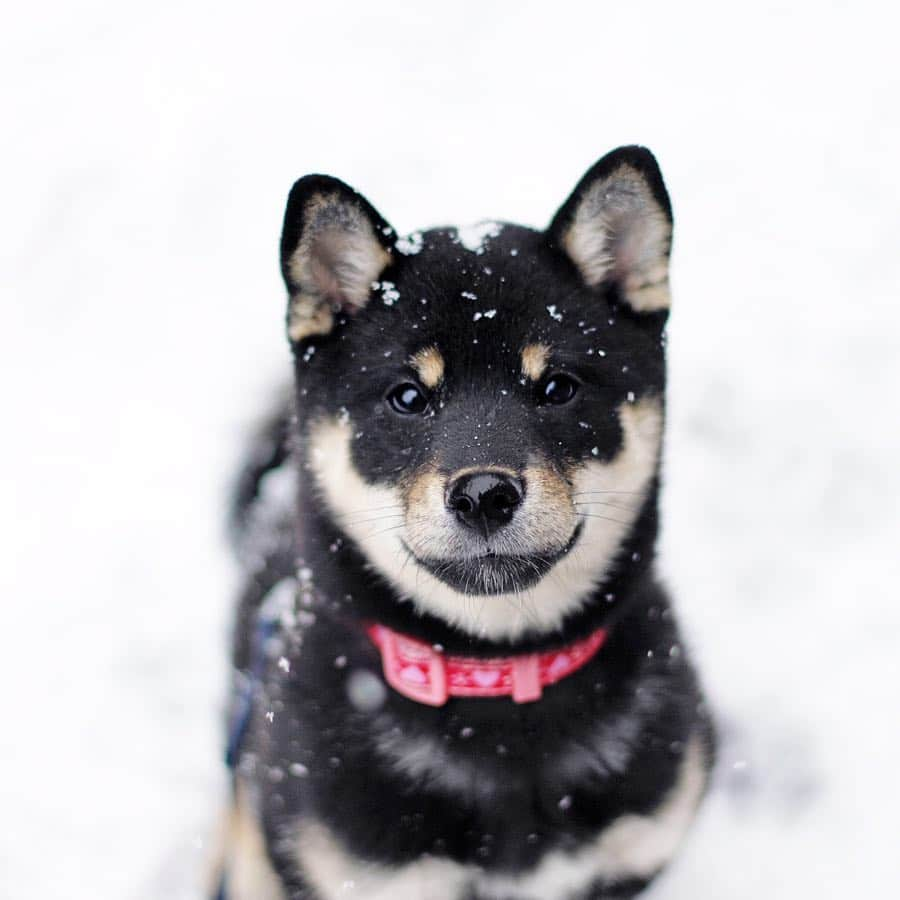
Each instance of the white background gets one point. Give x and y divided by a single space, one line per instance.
146 154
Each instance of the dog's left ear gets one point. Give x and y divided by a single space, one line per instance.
616 227
334 244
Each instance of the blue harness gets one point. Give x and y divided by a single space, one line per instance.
268 624
247 689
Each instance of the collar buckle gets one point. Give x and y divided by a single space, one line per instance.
412 667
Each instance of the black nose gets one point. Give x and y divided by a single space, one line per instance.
485 500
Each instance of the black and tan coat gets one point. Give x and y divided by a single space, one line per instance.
534 360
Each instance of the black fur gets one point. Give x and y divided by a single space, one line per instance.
541 776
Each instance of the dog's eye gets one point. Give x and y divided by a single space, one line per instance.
407 399
557 389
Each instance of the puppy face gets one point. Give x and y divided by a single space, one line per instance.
481 410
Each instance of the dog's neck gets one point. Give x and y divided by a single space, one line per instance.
426 674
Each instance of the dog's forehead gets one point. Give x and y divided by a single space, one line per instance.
489 256
478 294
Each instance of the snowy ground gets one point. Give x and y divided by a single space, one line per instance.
146 156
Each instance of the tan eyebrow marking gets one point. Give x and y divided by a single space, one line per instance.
429 364
534 360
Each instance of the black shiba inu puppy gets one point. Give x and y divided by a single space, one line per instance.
457 675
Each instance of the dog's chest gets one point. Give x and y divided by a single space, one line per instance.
429 805
632 848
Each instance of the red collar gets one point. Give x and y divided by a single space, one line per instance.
425 674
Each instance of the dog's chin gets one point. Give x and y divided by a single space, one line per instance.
496 573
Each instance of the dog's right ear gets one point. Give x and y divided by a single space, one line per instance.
334 244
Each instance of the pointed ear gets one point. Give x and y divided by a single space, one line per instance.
616 227
333 246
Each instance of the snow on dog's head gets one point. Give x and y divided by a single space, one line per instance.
482 408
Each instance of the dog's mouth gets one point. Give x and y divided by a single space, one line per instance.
495 573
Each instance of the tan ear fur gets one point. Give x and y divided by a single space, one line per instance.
333 267
616 227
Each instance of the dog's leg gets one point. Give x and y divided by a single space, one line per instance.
623 890
243 870
213 878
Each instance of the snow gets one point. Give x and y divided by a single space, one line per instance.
475 237
410 245
389 293
147 156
